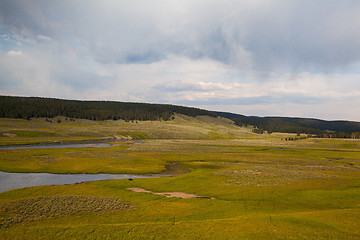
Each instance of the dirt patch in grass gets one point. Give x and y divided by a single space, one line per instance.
169 194
35 209
12 135
121 137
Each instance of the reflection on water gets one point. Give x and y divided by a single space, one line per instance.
9 181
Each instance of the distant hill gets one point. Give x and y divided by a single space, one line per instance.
29 107
293 125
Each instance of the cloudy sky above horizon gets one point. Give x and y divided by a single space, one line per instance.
262 57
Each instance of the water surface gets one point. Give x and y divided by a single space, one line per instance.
39 146
9 181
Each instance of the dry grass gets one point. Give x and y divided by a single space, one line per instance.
181 127
261 175
35 209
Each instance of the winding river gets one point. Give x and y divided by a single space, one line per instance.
40 146
10 181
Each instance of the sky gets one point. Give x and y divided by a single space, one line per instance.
298 58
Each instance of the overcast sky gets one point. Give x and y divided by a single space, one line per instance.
259 57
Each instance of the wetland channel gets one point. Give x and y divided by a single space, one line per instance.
79 144
10 181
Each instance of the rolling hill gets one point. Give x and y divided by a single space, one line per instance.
33 107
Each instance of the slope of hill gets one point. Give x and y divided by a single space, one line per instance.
179 127
293 125
35 107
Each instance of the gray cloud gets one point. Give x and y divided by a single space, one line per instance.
263 100
138 50
272 34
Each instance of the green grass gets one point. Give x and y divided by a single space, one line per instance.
78 160
311 190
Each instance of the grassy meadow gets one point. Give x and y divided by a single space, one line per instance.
262 186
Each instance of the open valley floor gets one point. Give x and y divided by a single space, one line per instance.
222 182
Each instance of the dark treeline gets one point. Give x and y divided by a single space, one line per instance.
30 107
314 127
353 135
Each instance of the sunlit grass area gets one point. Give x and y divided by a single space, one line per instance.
261 186
42 130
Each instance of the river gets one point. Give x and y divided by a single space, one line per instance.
9 181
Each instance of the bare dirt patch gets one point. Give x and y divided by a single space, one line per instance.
169 194
12 135
121 137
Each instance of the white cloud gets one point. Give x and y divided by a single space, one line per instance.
14 53
44 38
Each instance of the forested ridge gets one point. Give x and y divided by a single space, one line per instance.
30 107
321 128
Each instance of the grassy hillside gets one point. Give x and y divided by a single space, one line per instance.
48 130
33 107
